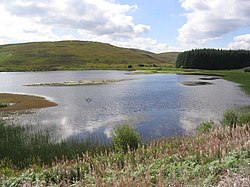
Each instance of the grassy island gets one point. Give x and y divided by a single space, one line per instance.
14 102
78 83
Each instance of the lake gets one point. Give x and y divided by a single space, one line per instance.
156 105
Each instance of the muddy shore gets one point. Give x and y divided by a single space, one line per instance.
23 102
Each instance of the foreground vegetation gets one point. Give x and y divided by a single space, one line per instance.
22 146
77 55
214 156
206 159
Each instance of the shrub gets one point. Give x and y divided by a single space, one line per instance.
230 118
246 69
124 137
236 117
2 105
141 65
206 126
244 118
130 66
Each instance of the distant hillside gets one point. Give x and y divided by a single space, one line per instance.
66 55
169 57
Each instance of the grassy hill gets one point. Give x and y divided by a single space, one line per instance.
169 57
74 55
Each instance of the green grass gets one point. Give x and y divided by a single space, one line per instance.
168 56
76 55
233 117
239 77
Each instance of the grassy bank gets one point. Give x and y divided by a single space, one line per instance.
202 160
239 77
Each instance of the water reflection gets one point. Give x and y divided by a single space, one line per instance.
157 105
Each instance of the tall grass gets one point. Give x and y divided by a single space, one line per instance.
23 148
196 161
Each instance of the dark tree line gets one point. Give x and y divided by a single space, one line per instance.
213 59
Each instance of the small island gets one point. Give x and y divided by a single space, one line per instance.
209 78
14 102
196 83
78 83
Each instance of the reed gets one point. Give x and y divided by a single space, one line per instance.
203 159
23 146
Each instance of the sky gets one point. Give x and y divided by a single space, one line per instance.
152 25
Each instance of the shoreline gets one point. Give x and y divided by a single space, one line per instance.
24 102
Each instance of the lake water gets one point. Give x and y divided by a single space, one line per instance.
156 105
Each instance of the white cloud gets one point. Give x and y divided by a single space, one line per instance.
138 29
14 29
240 42
143 43
209 20
96 16
147 44
98 20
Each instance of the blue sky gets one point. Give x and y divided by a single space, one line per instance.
164 17
154 25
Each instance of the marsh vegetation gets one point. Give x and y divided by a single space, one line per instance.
207 158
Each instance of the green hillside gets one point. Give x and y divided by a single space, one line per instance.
73 55
169 57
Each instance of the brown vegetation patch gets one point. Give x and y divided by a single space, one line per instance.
23 102
209 78
196 83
